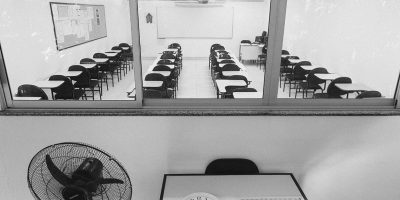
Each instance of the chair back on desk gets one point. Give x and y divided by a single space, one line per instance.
28 90
82 80
161 68
230 67
231 166
334 91
245 42
65 90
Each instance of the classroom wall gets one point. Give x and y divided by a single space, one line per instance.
358 39
28 41
346 158
250 19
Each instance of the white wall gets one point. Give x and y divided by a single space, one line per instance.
346 158
250 19
27 38
358 39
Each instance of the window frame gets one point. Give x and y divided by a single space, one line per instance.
269 104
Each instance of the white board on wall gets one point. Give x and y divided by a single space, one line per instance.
195 22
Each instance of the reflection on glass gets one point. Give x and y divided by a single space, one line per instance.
340 49
179 57
67 51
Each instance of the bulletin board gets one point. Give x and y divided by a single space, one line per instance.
76 24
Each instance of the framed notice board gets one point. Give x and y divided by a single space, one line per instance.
75 24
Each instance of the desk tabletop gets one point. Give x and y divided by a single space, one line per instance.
100 60
152 84
233 187
352 87
125 48
70 73
47 84
327 77
164 73
88 66
111 54
233 73
118 51
247 95
308 67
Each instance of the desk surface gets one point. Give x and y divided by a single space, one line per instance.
352 87
48 84
233 187
152 84
70 73
100 60
88 66
27 98
327 77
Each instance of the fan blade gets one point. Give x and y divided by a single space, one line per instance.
57 173
109 181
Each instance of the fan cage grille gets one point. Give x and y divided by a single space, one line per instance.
67 157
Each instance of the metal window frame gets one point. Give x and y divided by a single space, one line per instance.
269 104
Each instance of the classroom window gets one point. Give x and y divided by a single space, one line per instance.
340 49
67 51
208 51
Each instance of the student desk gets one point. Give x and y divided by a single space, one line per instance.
277 186
100 60
88 66
352 87
47 84
233 73
247 95
222 83
70 73
111 55
249 51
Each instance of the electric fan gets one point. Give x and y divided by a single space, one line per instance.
76 171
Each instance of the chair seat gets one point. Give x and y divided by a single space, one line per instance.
91 84
295 77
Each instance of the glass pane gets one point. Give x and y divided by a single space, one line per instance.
45 46
341 48
176 42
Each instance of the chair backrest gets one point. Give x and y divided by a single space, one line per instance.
217 47
66 89
224 56
175 45
152 94
335 91
161 68
124 45
165 62
83 78
168 56
231 166
100 55
31 91
237 77
227 61
212 48
264 33
264 49
230 67
369 94
117 48
245 42
154 77
285 52
87 61
245 90
311 78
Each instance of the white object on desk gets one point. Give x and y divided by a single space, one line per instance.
232 187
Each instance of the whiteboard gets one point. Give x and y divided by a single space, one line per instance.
76 24
195 22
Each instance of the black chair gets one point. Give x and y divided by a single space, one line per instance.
298 75
232 166
66 90
230 67
224 56
119 60
369 94
84 81
166 62
285 68
285 52
127 55
312 82
161 68
333 92
212 53
95 73
168 56
108 68
166 91
245 42
27 90
262 59
238 77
